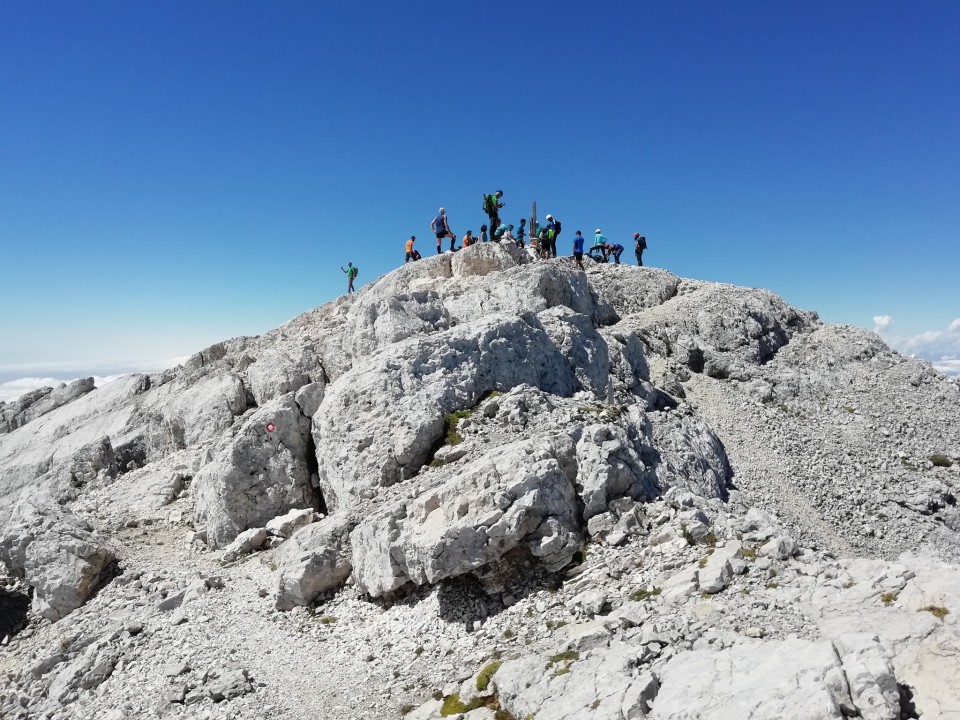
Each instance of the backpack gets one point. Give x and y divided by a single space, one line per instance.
354 273
556 226
489 204
641 243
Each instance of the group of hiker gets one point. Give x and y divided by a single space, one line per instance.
542 239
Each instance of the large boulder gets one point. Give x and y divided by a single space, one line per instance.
281 370
56 553
691 455
514 496
313 561
259 473
381 422
610 464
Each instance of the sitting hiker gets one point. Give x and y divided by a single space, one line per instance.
410 251
469 239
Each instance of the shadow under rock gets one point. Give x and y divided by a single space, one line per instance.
14 607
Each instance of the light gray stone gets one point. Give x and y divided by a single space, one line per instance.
257 474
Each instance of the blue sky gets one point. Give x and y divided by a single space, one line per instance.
176 173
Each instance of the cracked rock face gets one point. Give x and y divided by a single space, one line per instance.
518 495
258 474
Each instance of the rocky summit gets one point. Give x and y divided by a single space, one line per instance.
490 487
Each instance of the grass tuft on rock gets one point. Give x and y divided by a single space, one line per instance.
485 675
453 706
939 460
889 598
938 611
568 656
641 595
451 421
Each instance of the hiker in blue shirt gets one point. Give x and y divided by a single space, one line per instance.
616 250
521 231
578 250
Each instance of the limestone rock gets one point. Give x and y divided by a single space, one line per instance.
57 554
286 525
793 679
244 544
601 684
279 371
40 402
379 423
515 496
313 561
231 684
258 474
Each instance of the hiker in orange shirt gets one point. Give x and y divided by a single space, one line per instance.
410 251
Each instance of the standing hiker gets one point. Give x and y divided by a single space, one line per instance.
351 272
441 228
410 251
521 231
578 250
640 245
554 225
491 206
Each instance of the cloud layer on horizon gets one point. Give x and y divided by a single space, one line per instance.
939 347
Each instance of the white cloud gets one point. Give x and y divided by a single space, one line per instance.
940 347
882 322
126 365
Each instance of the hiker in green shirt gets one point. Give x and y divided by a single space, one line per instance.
351 272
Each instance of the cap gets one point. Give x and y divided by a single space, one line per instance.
549 217
597 231
636 234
